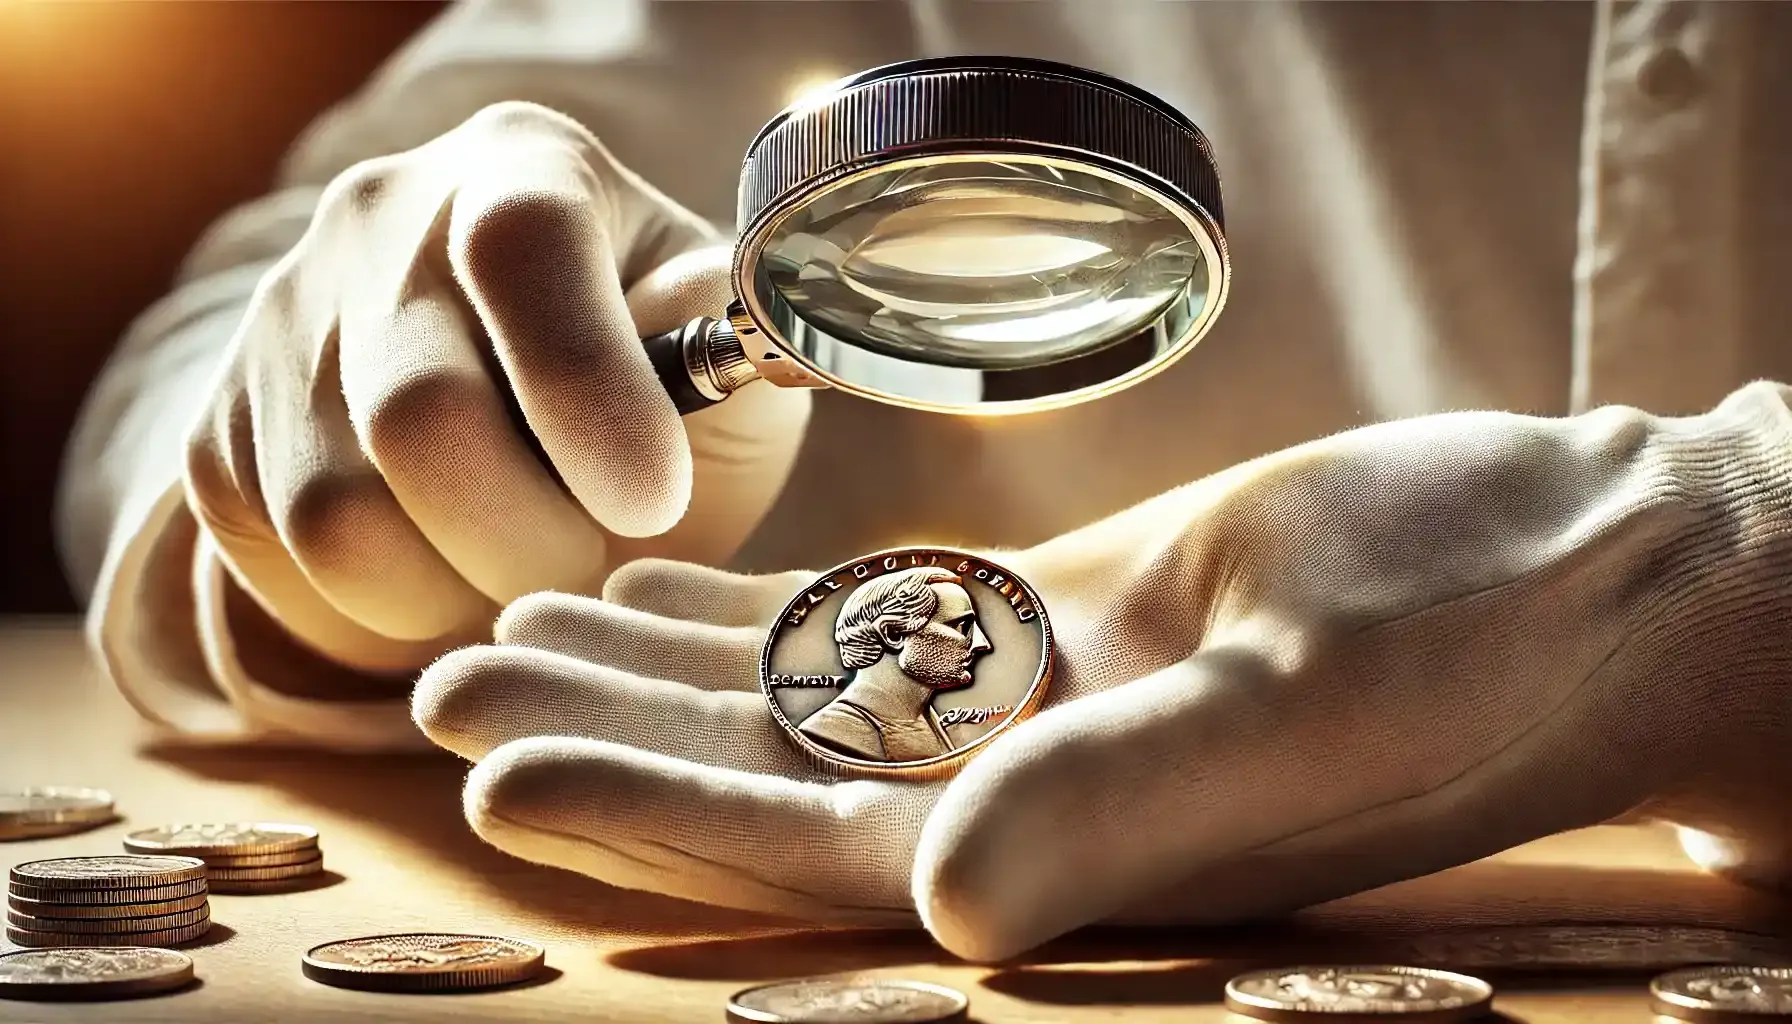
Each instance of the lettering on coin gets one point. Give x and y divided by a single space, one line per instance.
906 658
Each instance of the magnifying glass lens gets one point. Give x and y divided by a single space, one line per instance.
990 263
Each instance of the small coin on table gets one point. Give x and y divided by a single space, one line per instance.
1731 993
1413 994
226 839
424 962
38 812
92 973
850 1000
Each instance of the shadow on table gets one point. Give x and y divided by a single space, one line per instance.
1579 927
1476 917
416 797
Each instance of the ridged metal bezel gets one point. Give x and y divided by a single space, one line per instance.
900 110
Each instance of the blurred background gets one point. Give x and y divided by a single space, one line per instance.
124 129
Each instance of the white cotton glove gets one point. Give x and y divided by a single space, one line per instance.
1360 660
361 460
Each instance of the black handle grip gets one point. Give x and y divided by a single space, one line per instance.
666 353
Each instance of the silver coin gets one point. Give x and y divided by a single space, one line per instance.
853 1000
130 871
151 908
905 663
36 812
88 972
226 839
1723 993
1415 994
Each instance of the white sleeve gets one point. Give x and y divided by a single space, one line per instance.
161 616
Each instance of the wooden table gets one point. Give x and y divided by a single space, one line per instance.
1589 914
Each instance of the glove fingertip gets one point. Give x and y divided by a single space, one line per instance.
961 890
649 494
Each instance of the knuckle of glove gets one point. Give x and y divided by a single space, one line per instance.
506 228
521 117
333 520
357 193
406 414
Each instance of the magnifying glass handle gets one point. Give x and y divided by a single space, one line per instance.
700 363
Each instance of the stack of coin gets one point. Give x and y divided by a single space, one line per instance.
240 857
37 812
107 901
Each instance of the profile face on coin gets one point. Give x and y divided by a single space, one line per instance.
904 662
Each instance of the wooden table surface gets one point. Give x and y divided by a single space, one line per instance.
1569 929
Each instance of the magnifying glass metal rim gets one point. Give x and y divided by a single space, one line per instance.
754 293
931 111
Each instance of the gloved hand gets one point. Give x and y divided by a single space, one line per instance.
361 459
1360 660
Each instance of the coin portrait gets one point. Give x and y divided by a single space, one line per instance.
906 660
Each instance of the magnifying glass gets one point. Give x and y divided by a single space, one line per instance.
974 235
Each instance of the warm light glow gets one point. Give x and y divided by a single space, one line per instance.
810 86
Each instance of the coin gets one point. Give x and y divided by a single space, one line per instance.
89 972
116 872
230 839
38 811
162 937
107 925
108 897
266 874
51 908
1413 994
906 662
854 1000
423 962
261 860
1723 993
